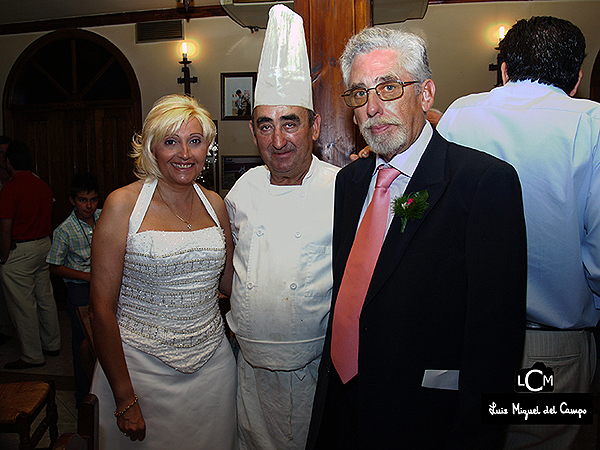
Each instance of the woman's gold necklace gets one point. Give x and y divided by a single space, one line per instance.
187 222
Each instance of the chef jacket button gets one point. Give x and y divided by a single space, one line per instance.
293 286
249 285
297 234
302 193
259 232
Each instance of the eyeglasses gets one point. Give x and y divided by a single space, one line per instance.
386 91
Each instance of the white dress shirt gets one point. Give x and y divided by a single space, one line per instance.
553 141
406 163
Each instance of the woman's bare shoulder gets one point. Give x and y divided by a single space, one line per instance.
124 198
215 199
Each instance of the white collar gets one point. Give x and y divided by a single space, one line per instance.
407 161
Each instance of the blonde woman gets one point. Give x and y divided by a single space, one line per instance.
166 375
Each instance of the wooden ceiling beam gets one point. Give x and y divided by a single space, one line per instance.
112 19
143 16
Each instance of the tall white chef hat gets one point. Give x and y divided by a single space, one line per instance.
283 72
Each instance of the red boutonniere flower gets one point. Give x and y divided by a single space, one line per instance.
411 206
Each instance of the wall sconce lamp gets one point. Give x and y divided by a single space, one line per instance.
186 4
499 59
186 80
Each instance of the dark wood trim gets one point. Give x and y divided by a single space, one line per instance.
439 2
147 16
113 19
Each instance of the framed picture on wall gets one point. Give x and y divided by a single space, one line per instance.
234 167
237 95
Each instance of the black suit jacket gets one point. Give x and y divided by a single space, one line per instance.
448 293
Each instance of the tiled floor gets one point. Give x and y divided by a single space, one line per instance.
59 369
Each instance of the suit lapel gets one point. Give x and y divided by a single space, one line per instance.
430 175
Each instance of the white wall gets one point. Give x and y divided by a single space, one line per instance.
458 36
224 46
460 40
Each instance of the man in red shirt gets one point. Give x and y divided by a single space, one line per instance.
25 226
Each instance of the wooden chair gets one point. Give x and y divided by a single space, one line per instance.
87 434
20 405
87 351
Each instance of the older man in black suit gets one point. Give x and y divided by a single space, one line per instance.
429 289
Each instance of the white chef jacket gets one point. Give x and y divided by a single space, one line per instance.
281 293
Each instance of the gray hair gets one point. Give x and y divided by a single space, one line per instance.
412 53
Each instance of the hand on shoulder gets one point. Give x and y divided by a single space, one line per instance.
364 153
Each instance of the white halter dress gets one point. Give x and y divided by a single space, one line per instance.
182 369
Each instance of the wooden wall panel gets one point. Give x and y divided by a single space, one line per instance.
328 25
67 142
40 131
115 128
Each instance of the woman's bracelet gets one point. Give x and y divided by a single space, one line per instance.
127 408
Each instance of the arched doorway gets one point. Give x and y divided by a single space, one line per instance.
73 97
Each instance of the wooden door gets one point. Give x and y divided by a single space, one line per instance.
74 99
83 140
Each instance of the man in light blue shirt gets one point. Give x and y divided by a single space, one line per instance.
553 141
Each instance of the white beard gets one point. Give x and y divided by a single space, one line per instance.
385 144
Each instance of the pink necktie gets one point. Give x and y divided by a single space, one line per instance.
357 277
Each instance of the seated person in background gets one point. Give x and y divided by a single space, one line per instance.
70 257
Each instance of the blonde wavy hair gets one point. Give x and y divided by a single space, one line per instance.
167 116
